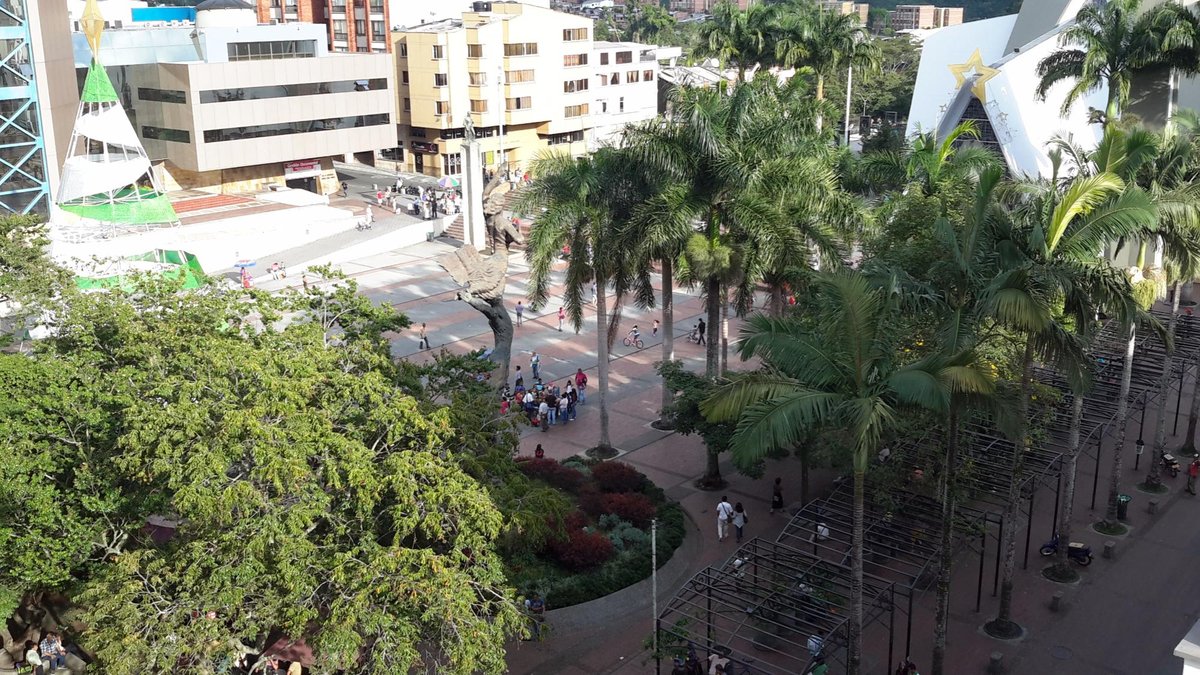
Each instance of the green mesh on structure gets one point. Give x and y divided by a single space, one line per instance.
187 267
97 88
147 211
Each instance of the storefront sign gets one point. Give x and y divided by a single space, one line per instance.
425 148
304 168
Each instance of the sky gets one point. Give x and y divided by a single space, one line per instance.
412 12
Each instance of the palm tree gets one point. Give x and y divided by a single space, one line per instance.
1110 42
929 162
742 39
835 370
587 204
825 41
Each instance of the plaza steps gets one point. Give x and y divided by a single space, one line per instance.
456 229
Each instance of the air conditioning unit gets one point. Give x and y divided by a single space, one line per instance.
481 6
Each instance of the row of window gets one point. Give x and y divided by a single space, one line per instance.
161 95
575 110
630 77
164 134
572 60
378 28
622 57
287 90
572 86
523 76
289 128
560 139
275 49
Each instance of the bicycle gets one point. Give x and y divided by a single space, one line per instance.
630 341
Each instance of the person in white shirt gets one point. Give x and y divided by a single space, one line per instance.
724 513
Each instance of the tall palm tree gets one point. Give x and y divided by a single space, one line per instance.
930 163
835 370
739 38
825 41
587 204
1108 43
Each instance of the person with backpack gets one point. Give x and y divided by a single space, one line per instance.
581 381
724 514
739 520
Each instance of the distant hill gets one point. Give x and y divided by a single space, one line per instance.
974 9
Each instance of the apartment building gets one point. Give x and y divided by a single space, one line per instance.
528 77
358 26
924 17
860 9
231 105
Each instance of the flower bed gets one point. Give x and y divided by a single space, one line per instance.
605 541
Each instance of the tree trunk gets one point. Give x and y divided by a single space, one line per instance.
602 361
820 97
804 481
724 331
946 556
1189 441
1071 461
668 328
1114 478
775 304
854 663
712 355
1153 478
502 333
712 471
1008 543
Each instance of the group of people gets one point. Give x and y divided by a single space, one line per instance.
545 405
47 654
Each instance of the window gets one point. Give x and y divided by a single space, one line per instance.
572 86
559 139
452 163
288 90
404 77
615 79
519 103
441 107
621 104
408 105
360 27
647 75
575 110
574 34
339 29
404 50
377 30
571 60
624 57
280 49
439 52
440 79
162 134
603 106
475 51
520 49
604 58
603 80
377 6
289 128
478 79
479 105
161 95
633 76
515 76
362 49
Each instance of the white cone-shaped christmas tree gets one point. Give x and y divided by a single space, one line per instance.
107 176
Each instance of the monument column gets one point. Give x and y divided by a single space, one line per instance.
474 226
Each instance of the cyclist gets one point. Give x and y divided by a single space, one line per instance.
634 334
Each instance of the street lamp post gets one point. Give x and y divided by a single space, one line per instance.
849 85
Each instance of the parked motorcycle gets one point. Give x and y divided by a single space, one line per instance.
1169 464
1078 552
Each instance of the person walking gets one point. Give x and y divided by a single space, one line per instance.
654 329
535 363
520 313
544 416
519 383
593 292
562 316
700 329
581 385
424 342
551 408
572 399
724 513
1193 471
371 214
777 495
379 197
564 404
739 520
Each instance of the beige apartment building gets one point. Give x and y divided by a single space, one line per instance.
860 9
537 61
924 17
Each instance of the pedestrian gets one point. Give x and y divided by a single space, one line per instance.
535 363
544 415
520 313
654 329
581 381
777 495
593 292
345 189
371 214
275 271
819 667
724 513
538 452
564 403
520 381
739 520
700 330
53 651
304 280
424 342
294 668
245 278
537 613
33 659
717 663
572 397
528 403
379 197
562 316
1193 471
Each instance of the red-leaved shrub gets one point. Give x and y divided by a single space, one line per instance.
633 508
591 500
581 551
550 471
618 477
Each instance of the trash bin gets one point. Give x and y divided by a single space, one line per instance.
1123 506
429 236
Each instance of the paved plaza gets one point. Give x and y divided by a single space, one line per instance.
1125 616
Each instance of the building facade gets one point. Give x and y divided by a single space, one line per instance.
38 100
860 9
356 26
924 17
235 106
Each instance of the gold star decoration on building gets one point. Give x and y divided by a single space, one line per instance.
92 23
982 72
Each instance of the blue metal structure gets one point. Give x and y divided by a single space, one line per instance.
24 187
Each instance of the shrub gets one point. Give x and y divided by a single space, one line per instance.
582 550
632 507
618 477
551 472
626 537
591 501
